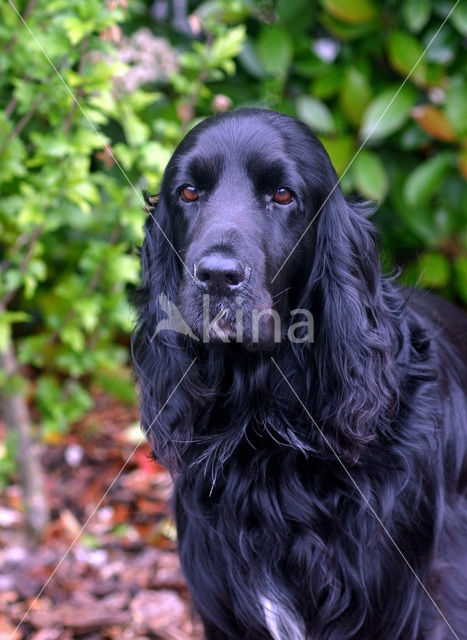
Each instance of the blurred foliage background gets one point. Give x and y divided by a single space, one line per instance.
71 173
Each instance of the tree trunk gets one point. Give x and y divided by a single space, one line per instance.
15 413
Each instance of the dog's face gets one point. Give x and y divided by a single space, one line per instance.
241 190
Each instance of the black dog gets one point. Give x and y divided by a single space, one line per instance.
313 413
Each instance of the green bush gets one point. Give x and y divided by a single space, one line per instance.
71 176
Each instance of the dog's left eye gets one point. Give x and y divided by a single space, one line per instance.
189 193
283 196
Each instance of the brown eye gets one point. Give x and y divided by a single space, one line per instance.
189 193
283 196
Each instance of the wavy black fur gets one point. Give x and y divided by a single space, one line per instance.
275 540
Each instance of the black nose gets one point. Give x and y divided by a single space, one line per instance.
220 274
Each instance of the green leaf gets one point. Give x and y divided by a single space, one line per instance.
12 279
434 270
351 11
15 316
406 55
141 99
416 14
462 163
425 180
83 194
5 336
441 49
12 163
460 268
250 61
459 17
125 155
328 84
275 50
48 391
7 318
370 176
340 151
104 101
295 14
456 105
119 383
77 401
73 337
86 140
355 95
31 349
228 45
90 541
347 32
315 114
388 112
123 268
61 403
310 66
137 132
89 310
155 156
76 29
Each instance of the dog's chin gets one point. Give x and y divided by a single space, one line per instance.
229 331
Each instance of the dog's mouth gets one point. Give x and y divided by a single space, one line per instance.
235 320
223 320
224 327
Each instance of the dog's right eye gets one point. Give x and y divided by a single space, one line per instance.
189 193
283 196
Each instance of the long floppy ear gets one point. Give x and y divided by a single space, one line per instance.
167 382
355 334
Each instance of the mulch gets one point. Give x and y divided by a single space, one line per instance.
107 568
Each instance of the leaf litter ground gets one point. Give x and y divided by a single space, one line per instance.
121 580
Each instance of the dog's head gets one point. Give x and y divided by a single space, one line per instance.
252 241
241 190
